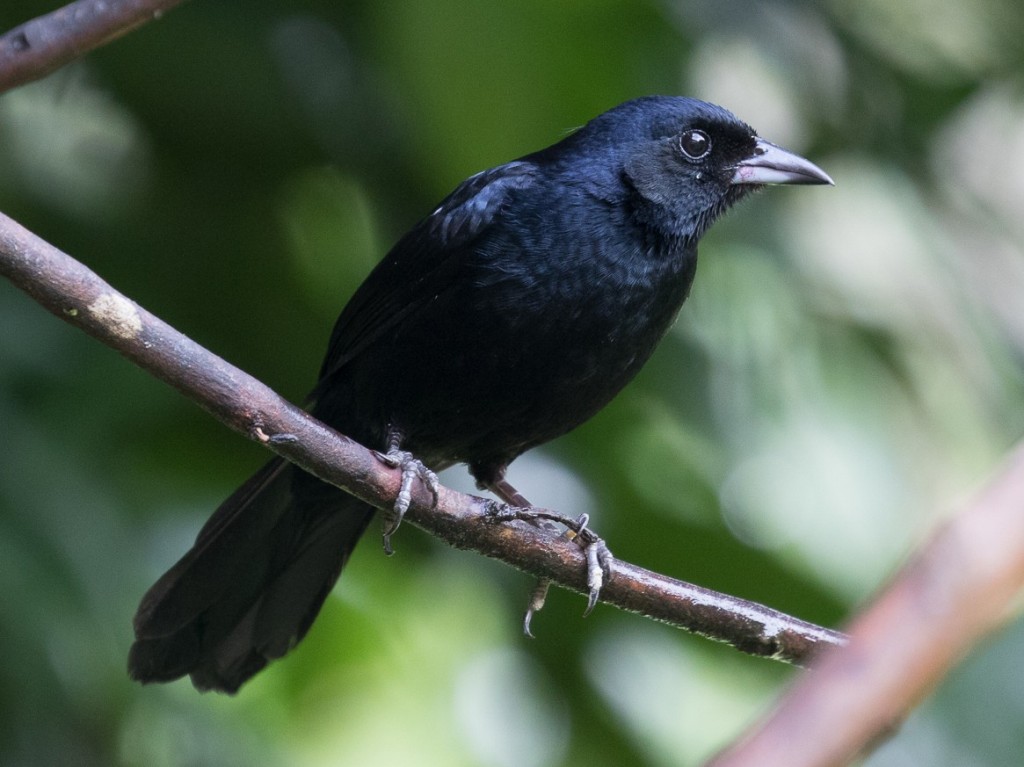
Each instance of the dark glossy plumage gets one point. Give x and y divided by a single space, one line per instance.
507 317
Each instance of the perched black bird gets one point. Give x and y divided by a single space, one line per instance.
507 317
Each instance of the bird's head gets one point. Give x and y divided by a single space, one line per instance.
686 161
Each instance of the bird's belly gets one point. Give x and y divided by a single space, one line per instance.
471 383
500 399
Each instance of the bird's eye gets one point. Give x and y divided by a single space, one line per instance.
695 144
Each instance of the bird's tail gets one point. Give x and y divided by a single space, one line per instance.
251 585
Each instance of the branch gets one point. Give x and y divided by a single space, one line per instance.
961 586
46 43
78 296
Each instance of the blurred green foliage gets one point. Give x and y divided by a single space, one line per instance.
848 367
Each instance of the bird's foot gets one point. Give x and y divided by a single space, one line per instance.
599 557
412 468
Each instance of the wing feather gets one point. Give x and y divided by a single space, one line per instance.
420 266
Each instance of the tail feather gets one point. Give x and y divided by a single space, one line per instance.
251 586
226 543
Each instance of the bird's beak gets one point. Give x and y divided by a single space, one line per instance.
770 164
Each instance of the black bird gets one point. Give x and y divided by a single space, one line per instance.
510 315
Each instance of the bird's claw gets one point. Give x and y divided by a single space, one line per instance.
599 569
599 557
412 468
538 597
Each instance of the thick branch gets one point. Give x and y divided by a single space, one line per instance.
961 586
48 42
80 297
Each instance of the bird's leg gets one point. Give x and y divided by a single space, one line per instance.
412 468
599 558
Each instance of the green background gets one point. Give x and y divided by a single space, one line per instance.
847 370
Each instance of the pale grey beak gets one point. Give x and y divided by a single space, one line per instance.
774 165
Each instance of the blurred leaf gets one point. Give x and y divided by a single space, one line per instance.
329 223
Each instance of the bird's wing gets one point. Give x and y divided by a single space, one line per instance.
420 266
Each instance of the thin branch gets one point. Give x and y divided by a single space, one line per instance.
77 295
964 584
44 44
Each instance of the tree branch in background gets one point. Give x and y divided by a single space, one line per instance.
46 43
80 297
957 589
